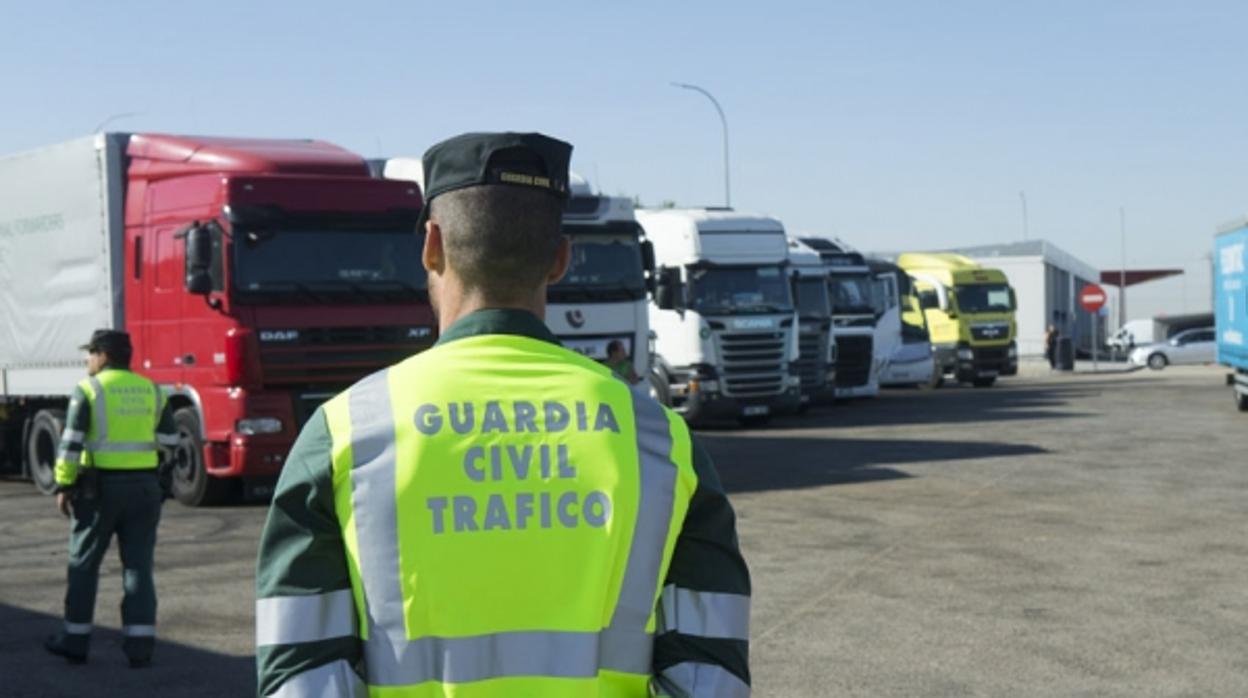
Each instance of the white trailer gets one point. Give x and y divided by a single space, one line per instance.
723 313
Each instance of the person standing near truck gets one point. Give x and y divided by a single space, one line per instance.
108 483
498 515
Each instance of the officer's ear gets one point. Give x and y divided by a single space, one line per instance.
563 257
433 256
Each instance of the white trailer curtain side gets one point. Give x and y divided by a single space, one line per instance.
61 244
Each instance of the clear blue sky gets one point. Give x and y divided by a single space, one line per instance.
891 125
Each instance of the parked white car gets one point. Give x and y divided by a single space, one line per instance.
1196 346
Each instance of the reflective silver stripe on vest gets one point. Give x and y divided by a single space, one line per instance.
167 439
696 680
101 443
73 435
376 521
334 680
393 660
284 620
704 613
71 455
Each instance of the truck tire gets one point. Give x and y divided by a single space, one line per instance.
42 441
656 382
1158 361
192 485
984 382
1241 401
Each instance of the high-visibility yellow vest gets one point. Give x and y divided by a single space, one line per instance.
125 411
509 511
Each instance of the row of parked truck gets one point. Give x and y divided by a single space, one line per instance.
260 277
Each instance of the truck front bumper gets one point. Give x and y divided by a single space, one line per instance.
978 363
703 406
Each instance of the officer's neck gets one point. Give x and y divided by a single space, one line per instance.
452 304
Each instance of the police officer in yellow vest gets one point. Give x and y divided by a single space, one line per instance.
107 483
499 516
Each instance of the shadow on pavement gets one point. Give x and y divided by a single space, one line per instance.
760 464
27 671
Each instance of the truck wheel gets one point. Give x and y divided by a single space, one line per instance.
1241 401
983 382
657 385
192 485
42 442
1157 362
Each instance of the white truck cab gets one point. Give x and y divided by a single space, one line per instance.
853 288
603 297
723 313
816 363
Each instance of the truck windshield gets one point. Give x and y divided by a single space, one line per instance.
852 294
739 290
605 265
304 265
984 298
811 295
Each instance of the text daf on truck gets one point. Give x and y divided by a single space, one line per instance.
257 278
723 313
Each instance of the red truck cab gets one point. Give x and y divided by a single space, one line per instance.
262 278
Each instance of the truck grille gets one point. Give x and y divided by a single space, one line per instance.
753 363
853 361
811 366
991 358
337 355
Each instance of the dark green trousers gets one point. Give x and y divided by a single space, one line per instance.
128 505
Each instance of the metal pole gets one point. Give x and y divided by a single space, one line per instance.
1122 279
1022 195
723 120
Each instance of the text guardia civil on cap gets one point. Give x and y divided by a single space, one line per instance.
518 159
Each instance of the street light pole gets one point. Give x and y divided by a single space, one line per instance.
1122 279
1022 195
723 120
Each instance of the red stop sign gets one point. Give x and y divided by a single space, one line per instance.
1092 298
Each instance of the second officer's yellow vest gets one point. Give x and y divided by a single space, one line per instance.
509 511
125 411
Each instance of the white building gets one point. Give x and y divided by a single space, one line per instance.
1047 281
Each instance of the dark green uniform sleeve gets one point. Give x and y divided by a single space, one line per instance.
305 613
702 646
73 439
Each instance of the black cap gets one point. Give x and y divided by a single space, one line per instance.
474 159
108 341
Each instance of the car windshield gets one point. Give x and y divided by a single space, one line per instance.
606 264
810 293
984 298
852 294
739 290
314 264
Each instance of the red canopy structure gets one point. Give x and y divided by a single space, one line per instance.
1132 277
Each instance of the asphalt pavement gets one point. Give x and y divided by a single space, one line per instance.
1056 535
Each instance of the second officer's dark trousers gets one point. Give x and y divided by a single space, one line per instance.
128 505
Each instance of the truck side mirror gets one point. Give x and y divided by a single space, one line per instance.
647 256
199 245
1013 299
668 288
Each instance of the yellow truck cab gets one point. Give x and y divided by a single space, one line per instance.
970 315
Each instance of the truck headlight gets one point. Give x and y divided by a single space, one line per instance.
1013 352
258 425
966 354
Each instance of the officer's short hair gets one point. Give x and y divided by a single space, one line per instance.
501 240
119 357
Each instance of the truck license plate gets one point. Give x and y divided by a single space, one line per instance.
755 410
987 374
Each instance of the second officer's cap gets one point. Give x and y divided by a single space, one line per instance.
516 159
108 341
